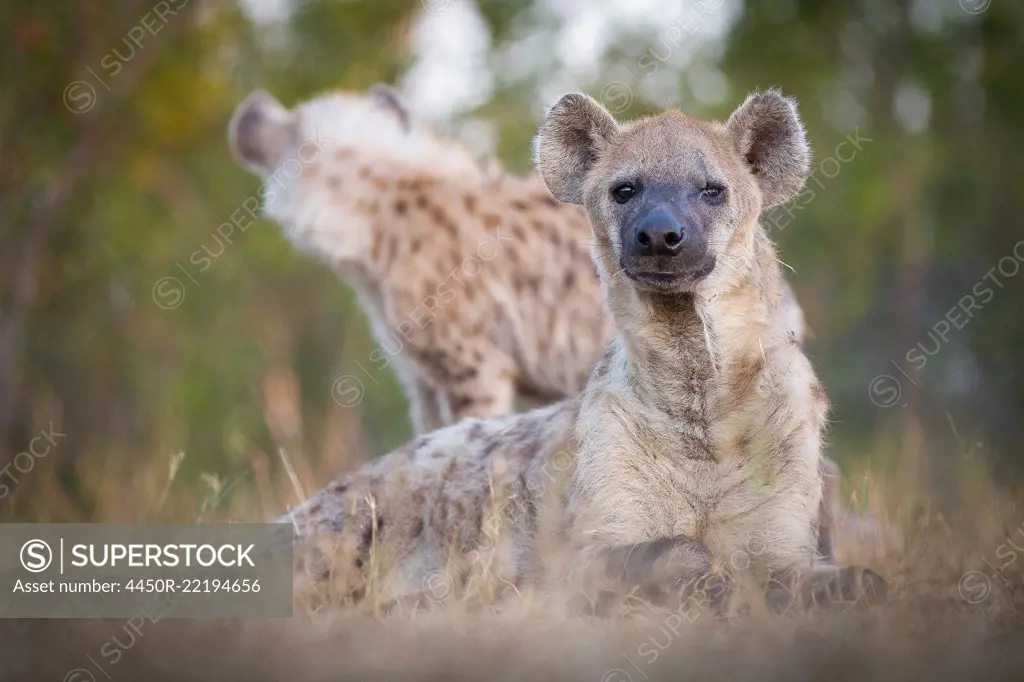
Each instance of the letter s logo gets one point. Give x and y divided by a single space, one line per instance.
36 556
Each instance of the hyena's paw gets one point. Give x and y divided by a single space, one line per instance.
708 593
828 587
669 562
663 572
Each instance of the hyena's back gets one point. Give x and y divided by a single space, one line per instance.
440 497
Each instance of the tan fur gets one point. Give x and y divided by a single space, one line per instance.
700 426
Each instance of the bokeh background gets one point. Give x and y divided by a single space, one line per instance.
166 391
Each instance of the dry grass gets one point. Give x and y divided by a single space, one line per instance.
523 642
936 623
956 608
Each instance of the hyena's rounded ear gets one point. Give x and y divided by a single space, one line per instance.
387 97
261 131
569 142
767 131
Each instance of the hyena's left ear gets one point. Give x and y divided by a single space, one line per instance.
768 133
388 97
569 142
261 131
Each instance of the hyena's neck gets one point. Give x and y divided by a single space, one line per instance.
378 203
665 351
677 349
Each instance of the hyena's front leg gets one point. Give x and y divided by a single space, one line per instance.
663 571
802 572
783 543
826 586
672 562
821 582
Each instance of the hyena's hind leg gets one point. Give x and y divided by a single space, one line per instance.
478 381
428 410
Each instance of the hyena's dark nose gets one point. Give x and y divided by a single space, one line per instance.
660 234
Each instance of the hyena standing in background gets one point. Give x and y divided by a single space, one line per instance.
478 285
699 430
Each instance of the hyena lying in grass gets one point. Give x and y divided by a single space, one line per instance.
402 214
698 433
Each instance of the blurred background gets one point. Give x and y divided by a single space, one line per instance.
136 385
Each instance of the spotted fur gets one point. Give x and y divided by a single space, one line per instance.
477 283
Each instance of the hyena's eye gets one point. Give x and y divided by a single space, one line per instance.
712 192
623 193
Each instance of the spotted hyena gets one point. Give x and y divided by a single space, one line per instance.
698 434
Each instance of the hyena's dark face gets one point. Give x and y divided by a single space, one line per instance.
673 199
659 214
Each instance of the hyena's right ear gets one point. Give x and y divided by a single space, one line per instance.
767 131
387 97
261 131
569 143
